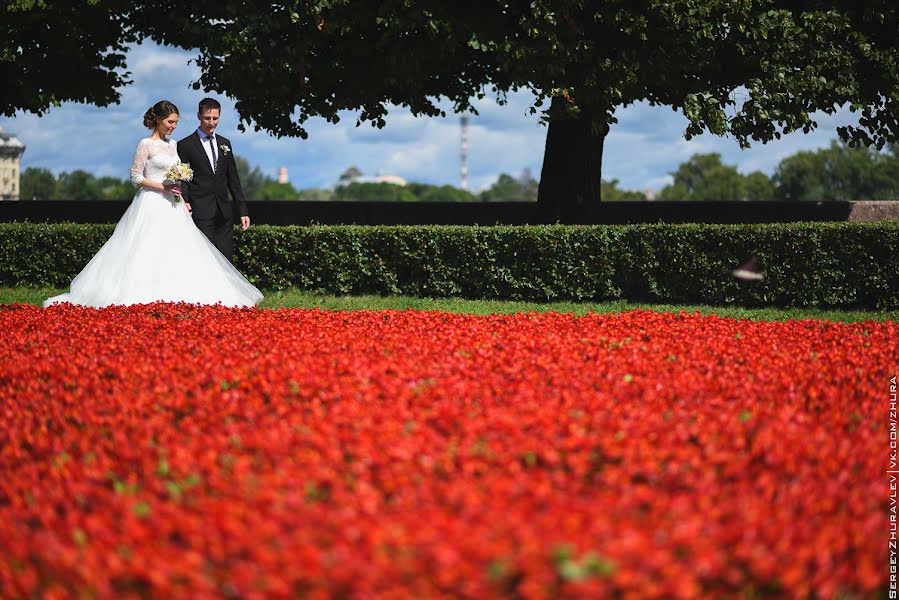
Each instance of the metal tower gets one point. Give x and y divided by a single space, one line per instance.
463 153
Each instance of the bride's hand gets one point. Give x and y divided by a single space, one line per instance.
172 188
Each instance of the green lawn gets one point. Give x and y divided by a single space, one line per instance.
298 299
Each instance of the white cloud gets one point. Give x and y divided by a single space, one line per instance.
147 61
641 149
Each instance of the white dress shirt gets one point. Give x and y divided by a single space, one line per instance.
207 148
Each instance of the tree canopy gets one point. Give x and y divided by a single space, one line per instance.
611 191
839 173
705 177
40 184
510 189
54 52
750 69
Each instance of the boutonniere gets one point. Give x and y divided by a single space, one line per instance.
224 148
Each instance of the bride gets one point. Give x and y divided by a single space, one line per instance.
156 253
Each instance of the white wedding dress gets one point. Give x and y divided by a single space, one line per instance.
156 253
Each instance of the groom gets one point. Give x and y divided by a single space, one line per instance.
215 174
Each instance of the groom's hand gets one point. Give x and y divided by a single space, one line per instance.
189 209
244 223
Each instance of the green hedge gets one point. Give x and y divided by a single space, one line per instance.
807 264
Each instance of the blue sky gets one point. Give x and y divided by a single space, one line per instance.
641 151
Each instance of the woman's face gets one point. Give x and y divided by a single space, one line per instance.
166 125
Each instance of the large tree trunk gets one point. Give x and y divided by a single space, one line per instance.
572 167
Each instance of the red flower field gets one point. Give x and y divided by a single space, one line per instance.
183 452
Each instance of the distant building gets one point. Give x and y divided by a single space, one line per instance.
354 175
394 179
282 175
381 178
11 150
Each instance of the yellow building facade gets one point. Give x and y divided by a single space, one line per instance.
11 150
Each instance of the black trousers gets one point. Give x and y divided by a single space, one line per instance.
220 232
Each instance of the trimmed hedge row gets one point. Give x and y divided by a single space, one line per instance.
806 264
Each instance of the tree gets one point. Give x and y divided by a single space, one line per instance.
272 190
252 180
505 189
315 194
839 173
53 52
110 188
753 69
257 185
40 184
350 175
77 185
529 186
36 184
439 193
379 192
705 177
759 186
610 191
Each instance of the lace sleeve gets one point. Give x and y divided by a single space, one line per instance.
141 155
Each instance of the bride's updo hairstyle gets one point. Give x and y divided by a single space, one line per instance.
160 110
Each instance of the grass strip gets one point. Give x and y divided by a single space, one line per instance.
300 299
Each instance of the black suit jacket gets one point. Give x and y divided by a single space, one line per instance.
208 193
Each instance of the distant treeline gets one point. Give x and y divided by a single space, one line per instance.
834 173
838 172
41 184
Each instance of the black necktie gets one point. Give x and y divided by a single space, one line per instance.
215 158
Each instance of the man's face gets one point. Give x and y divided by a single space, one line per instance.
209 120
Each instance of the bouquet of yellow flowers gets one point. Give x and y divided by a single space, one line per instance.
179 172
